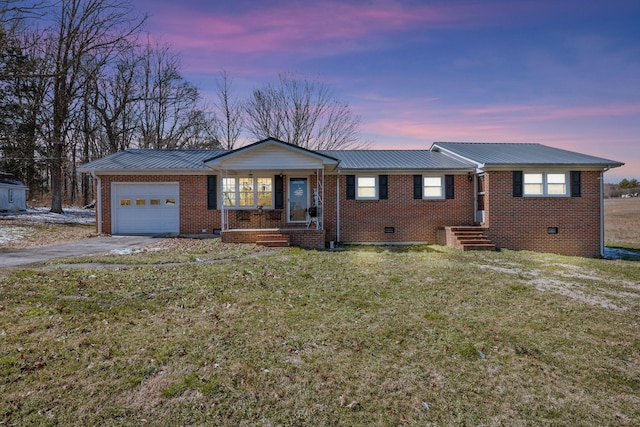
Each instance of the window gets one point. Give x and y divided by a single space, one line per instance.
170 201
367 187
545 184
141 202
247 192
557 184
533 184
125 202
432 187
154 202
229 191
265 191
10 196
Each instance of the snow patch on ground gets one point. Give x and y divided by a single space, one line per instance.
129 251
12 233
73 215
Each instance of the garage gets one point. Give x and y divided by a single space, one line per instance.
145 208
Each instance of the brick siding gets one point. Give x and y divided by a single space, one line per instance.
194 215
521 223
514 223
412 220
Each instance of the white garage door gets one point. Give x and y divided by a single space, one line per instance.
146 208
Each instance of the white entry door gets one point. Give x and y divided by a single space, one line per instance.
298 200
145 208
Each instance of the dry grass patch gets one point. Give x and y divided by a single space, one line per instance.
172 251
22 235
366 336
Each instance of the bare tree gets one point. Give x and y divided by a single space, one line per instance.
114 97
229 120
86 35
303 113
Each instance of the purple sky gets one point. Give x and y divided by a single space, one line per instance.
559 72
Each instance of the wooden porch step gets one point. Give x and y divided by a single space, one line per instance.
471 239
273 240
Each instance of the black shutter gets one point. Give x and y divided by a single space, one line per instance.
279 192
351 187
417 186
212 192
449 192
517 184
383 191
576 184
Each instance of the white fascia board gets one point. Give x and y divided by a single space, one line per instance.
326 160
404 171
454 155
545 167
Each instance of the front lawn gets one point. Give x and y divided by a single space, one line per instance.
364 336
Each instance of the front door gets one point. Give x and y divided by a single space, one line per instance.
298 200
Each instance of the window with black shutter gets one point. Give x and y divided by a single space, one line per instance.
576 184
383 191
517 183
417 186
278 181
449 190
351 187
212 192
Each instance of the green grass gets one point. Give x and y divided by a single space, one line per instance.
364 336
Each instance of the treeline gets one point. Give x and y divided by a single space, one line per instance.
80 79
624 188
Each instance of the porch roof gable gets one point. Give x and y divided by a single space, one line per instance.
271 153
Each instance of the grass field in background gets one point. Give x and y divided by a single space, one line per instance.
622 223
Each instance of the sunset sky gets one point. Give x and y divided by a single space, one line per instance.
559 72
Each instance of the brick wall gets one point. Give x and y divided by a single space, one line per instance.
194 215
412 220
521 223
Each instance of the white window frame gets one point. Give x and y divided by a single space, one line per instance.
424 193
376 187
236 181
545 184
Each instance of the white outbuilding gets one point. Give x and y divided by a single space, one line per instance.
13 193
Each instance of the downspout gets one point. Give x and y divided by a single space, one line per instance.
338 207
98 201
222 209
602 211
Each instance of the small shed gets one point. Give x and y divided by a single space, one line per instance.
13 193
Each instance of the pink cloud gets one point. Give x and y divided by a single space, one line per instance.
313 28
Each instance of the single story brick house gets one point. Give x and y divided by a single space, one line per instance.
469 195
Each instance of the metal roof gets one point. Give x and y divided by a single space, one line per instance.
441 156
395 159
140 159
520 154
10 179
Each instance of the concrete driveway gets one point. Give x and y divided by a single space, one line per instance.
91 246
